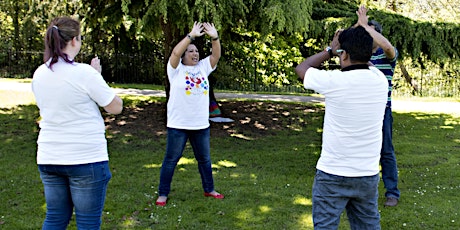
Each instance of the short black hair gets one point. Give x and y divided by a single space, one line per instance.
357 42
376 25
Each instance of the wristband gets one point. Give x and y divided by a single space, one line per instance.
329 50
190 37
215 39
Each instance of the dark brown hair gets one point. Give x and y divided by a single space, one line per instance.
60 31
357 42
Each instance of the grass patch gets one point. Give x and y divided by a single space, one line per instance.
266 180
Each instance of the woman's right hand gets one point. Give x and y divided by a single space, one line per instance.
197 30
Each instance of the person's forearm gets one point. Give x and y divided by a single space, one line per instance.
312 61
216 48
115 107
381 41
216 51
180 48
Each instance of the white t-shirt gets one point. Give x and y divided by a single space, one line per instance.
188 104
355 106
72 130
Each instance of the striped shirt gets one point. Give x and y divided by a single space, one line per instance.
381 62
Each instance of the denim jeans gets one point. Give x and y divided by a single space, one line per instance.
358 195
82 187
388 157
200 141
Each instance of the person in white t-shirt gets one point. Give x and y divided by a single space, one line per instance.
188 109
347 173
72 152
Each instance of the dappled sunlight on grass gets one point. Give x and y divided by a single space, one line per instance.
192 161
241 136
248 216
227 164
129 223
152 166
302 201
186 161
235 175
306 220
265 209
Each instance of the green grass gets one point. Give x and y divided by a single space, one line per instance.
267 181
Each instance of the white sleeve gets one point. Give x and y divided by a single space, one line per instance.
317 80
98 89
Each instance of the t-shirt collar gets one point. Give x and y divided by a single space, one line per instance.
354 67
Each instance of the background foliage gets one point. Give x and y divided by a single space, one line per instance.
262 40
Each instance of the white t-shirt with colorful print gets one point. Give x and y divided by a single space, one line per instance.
188 104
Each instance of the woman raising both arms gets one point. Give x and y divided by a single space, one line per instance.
188 109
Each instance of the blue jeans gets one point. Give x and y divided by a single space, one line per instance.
358 195
388 157
82 187
200 141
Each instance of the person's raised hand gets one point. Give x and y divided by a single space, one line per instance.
362 16
96 64
335 42
197 30
210 30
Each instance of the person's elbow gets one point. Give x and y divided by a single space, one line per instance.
115 106
300 72
389 51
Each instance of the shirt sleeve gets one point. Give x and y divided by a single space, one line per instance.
206 65
98 89
170 71
317 80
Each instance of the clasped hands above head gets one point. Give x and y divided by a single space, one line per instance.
201 28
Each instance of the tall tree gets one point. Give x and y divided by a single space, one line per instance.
172 19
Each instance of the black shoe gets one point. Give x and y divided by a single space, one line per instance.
391 202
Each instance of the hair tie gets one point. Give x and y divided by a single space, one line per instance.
55 27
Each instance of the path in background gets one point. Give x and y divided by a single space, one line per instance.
398 105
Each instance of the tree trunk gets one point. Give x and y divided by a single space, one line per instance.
410 80
169 32
16 41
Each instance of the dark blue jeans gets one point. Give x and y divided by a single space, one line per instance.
82 187
388 157
200 141
358 195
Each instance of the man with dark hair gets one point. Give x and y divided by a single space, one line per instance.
347 173
384 57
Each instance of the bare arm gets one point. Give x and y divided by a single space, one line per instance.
114 107
381 41
312 61
180 48
317 59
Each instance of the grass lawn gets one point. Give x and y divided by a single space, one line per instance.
266 180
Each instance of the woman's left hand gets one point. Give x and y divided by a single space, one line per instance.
210 30
96 64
